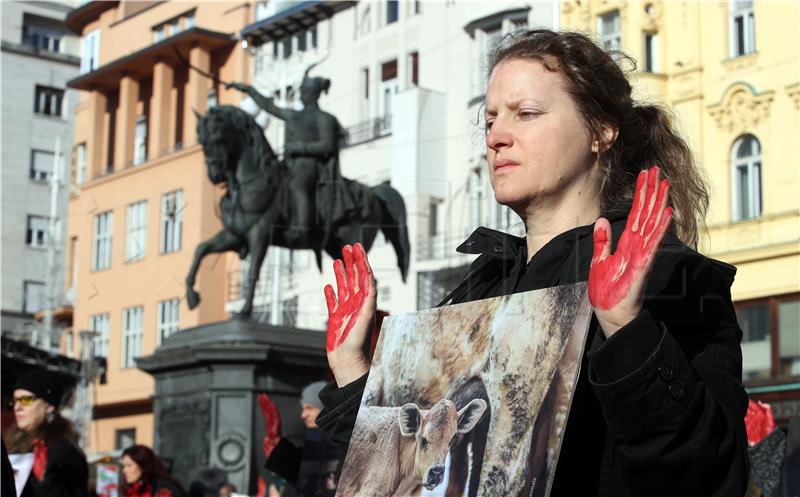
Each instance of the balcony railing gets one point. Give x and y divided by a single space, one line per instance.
371 129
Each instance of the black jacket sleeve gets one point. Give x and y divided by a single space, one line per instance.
669 384
338 417
285 461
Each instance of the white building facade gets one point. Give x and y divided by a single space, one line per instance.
39 55
407 82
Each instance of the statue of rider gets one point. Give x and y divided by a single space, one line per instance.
311 152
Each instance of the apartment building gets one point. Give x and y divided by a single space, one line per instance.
141 201
39 55
729 71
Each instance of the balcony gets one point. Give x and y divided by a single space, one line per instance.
369 130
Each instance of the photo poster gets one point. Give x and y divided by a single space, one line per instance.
469 399
107 480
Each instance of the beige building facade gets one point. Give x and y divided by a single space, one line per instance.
730 72
141 201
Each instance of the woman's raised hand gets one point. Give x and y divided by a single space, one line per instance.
617 281
351 313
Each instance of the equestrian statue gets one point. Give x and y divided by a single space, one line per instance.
300 201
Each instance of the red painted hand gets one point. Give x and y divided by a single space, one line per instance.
351 311
617 282
272 421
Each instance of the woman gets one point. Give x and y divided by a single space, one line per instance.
659 407
145 475
59 466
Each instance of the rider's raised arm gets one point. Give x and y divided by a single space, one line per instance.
268 104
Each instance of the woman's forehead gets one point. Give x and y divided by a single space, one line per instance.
21 392
515 80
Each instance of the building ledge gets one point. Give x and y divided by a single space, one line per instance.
78 18
47 55
294 19
174 50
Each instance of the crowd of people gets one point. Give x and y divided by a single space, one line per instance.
42 458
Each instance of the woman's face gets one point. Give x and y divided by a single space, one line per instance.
538 145
30 417
130 470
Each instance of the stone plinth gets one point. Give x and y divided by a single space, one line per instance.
206 413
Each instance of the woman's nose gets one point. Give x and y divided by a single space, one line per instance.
498 136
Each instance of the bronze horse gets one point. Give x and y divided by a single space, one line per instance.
256 210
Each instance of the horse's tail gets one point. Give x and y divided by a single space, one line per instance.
395 228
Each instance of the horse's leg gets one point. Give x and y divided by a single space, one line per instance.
257 240
221 242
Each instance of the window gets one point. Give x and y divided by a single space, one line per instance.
33 298
789 338
140 141
41 37
101 242
99 324
136 239
41 165
48 101
124 438
650 52
171 221
90 51
746 163
365 106
388 86
414 7
769 330
391 8
158 33
36 231
132 324
609 30
742 28
413 68
189 20
80 164
286 46
168 318
754 321
302 40
175 27
312 34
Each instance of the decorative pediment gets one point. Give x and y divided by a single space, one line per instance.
741 108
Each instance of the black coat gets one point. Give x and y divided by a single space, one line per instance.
659 407
66 473
312 470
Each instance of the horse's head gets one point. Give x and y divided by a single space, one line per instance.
221 140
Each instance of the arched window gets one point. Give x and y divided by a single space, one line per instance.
746 165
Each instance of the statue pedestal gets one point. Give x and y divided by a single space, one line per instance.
205 409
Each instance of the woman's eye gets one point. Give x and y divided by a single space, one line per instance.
527 114
488 126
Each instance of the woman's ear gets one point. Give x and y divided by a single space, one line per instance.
50 409
608 135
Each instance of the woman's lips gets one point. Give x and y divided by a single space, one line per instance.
504 164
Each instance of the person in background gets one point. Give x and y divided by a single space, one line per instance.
145 475
59 465
312 469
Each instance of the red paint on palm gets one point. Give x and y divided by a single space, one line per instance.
272 423
353 281
611 277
